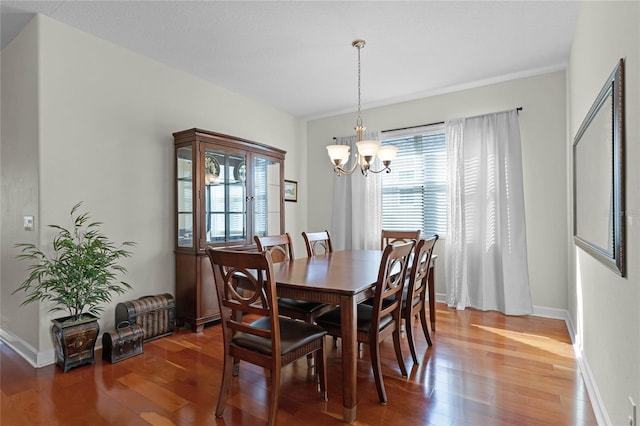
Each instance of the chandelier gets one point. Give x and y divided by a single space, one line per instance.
367 150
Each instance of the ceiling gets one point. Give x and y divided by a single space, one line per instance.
297 56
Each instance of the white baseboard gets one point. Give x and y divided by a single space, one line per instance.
554 313
599 409
26 351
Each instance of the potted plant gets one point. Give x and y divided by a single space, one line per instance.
78 277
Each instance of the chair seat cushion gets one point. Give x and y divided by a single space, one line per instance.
365 315
301 306
293 334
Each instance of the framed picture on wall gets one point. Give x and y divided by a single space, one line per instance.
291 190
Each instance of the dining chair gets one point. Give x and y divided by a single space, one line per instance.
317 243
377 321
281 249
393 237
414 300
270 341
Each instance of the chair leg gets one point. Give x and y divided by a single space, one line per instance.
274 395
321 362
227 372
412 345
374 349
310 362
399 357
236 367
425 326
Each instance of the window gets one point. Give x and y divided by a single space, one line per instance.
414 194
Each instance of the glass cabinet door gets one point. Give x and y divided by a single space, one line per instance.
225 197
184 195
266 196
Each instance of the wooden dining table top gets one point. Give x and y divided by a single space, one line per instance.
342 272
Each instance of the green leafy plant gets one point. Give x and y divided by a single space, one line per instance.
81 273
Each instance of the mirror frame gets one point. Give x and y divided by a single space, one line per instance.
614 255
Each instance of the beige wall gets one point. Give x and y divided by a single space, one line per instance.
19 165
106 118
604 307
542 123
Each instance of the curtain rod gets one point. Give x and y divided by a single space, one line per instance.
412 127
430 124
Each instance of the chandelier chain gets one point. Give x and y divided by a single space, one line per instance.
359 121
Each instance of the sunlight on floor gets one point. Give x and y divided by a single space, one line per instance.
541 342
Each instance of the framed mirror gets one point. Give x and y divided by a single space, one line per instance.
598 176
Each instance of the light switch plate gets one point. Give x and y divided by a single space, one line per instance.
28 223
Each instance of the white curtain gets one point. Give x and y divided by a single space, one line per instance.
486 249
357 204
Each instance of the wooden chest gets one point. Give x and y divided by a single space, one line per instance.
155 314
125 342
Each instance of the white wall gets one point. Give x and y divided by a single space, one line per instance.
542 124
19 176
106 118
604 307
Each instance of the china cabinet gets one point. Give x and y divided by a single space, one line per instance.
227 190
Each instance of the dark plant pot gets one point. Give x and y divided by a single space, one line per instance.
75 341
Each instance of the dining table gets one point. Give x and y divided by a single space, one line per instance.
343 278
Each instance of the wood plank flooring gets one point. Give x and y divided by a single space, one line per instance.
484 369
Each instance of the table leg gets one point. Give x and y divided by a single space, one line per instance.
349 357
432 297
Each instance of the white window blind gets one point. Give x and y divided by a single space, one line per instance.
414 194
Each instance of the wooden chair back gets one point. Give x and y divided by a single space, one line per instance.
387 299
317 243
415 300
393 237
279 246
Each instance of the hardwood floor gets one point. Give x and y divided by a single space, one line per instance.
484 369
